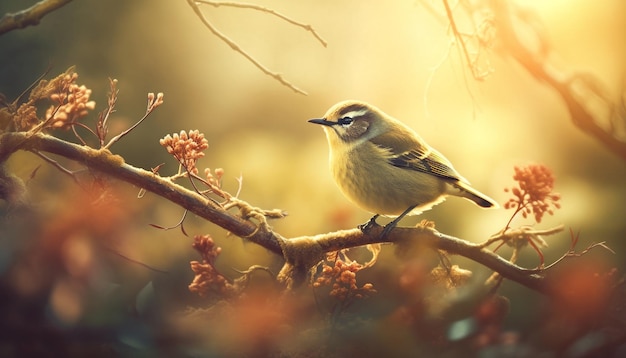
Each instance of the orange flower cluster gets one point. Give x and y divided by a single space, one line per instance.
205 245
186 148
342 278
26 116
534 194
72 102
207 279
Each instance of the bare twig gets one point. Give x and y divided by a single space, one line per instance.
57 165
212 188
180 223
431 77
524 231
115 252
102 126
307 27
458 36
153 103
572 249
233 45
31 16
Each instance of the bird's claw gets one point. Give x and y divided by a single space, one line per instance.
369 224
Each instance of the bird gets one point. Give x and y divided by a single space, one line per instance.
384 167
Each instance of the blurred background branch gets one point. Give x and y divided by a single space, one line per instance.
233 45
31 16
521 34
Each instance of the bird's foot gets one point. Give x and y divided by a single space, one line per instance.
369 224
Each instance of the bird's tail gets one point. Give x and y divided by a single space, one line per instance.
466 191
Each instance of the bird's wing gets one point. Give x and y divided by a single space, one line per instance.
409 151
433 163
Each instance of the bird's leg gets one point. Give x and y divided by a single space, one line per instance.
369 223
394 223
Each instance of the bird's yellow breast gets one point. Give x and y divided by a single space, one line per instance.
366 177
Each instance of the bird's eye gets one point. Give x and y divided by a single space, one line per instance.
345 121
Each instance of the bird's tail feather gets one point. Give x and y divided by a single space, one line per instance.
466 191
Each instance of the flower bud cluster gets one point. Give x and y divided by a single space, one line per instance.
186 148
72 103
342 279
534 192
207 279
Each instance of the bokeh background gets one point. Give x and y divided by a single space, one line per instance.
396 55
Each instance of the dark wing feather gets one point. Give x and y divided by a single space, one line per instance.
431 164
407 150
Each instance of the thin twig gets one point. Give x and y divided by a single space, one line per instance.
212 188
507 234
149 109
306 27
30 88
78 136
431 77
457 34
102 125
179 224
57 165
240 186
573 253
234 46
136 262
572 249
45 122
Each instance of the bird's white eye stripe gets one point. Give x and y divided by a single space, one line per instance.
355 114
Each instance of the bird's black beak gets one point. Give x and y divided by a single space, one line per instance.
321 121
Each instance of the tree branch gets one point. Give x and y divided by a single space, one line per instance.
521 35
432 238
114 165
300 253
306 27
29 17
233 45
512 26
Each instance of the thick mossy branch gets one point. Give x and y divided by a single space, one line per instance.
428 237
114 165
302 253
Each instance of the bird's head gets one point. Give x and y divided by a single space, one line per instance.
350 123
